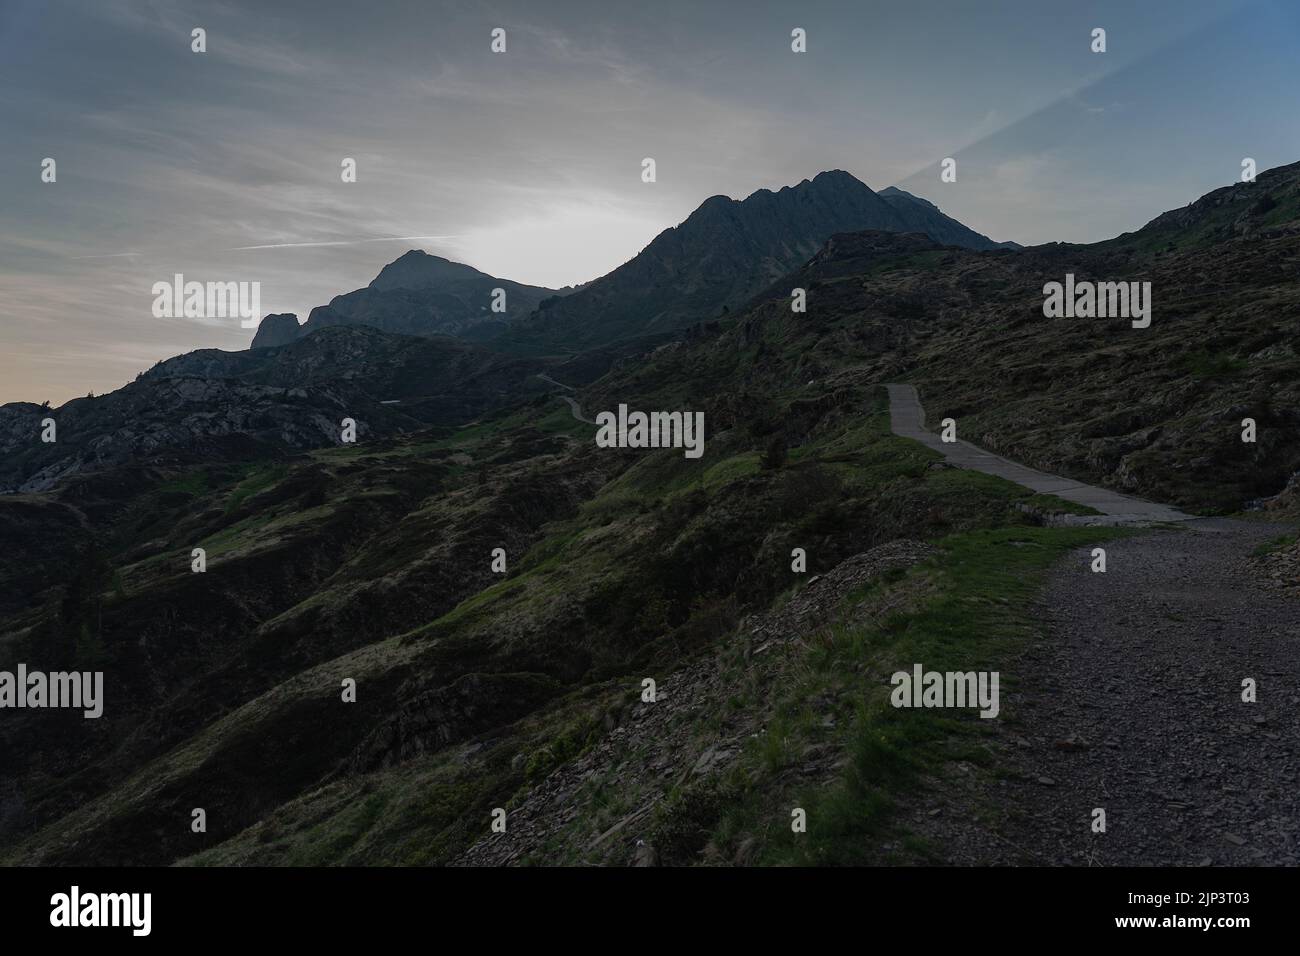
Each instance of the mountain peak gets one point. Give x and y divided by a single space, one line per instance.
418 269
416 294
723 254
831 180
838 177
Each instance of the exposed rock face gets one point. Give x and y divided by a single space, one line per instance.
417 294
195 414
722 255
279 329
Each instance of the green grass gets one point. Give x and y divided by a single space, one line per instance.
922 261
964 616
258 481
560 421
382 452
193 483
260 528
738 466
1204 364
1275 544
971 611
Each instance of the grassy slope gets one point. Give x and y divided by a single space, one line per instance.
429 809
967 609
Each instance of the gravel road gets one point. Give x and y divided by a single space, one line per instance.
1133 704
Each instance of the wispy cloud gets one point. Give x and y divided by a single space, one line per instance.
341 242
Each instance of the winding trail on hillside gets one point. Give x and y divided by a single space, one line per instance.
576 410
907 419
1133 701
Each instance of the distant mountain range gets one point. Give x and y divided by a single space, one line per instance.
725 252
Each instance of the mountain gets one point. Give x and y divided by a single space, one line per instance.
477 689
417 294
723 254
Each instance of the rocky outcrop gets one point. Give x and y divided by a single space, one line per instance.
279 329
211 417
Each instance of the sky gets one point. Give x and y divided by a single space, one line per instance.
226 165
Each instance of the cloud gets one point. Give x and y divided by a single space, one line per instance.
341 242
232 36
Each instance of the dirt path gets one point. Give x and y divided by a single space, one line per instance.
576 409
907 419
1133 704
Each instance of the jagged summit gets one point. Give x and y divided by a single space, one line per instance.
418 269
719 257
724 253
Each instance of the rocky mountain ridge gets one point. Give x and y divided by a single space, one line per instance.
720 256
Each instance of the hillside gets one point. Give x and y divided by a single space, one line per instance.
522 690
